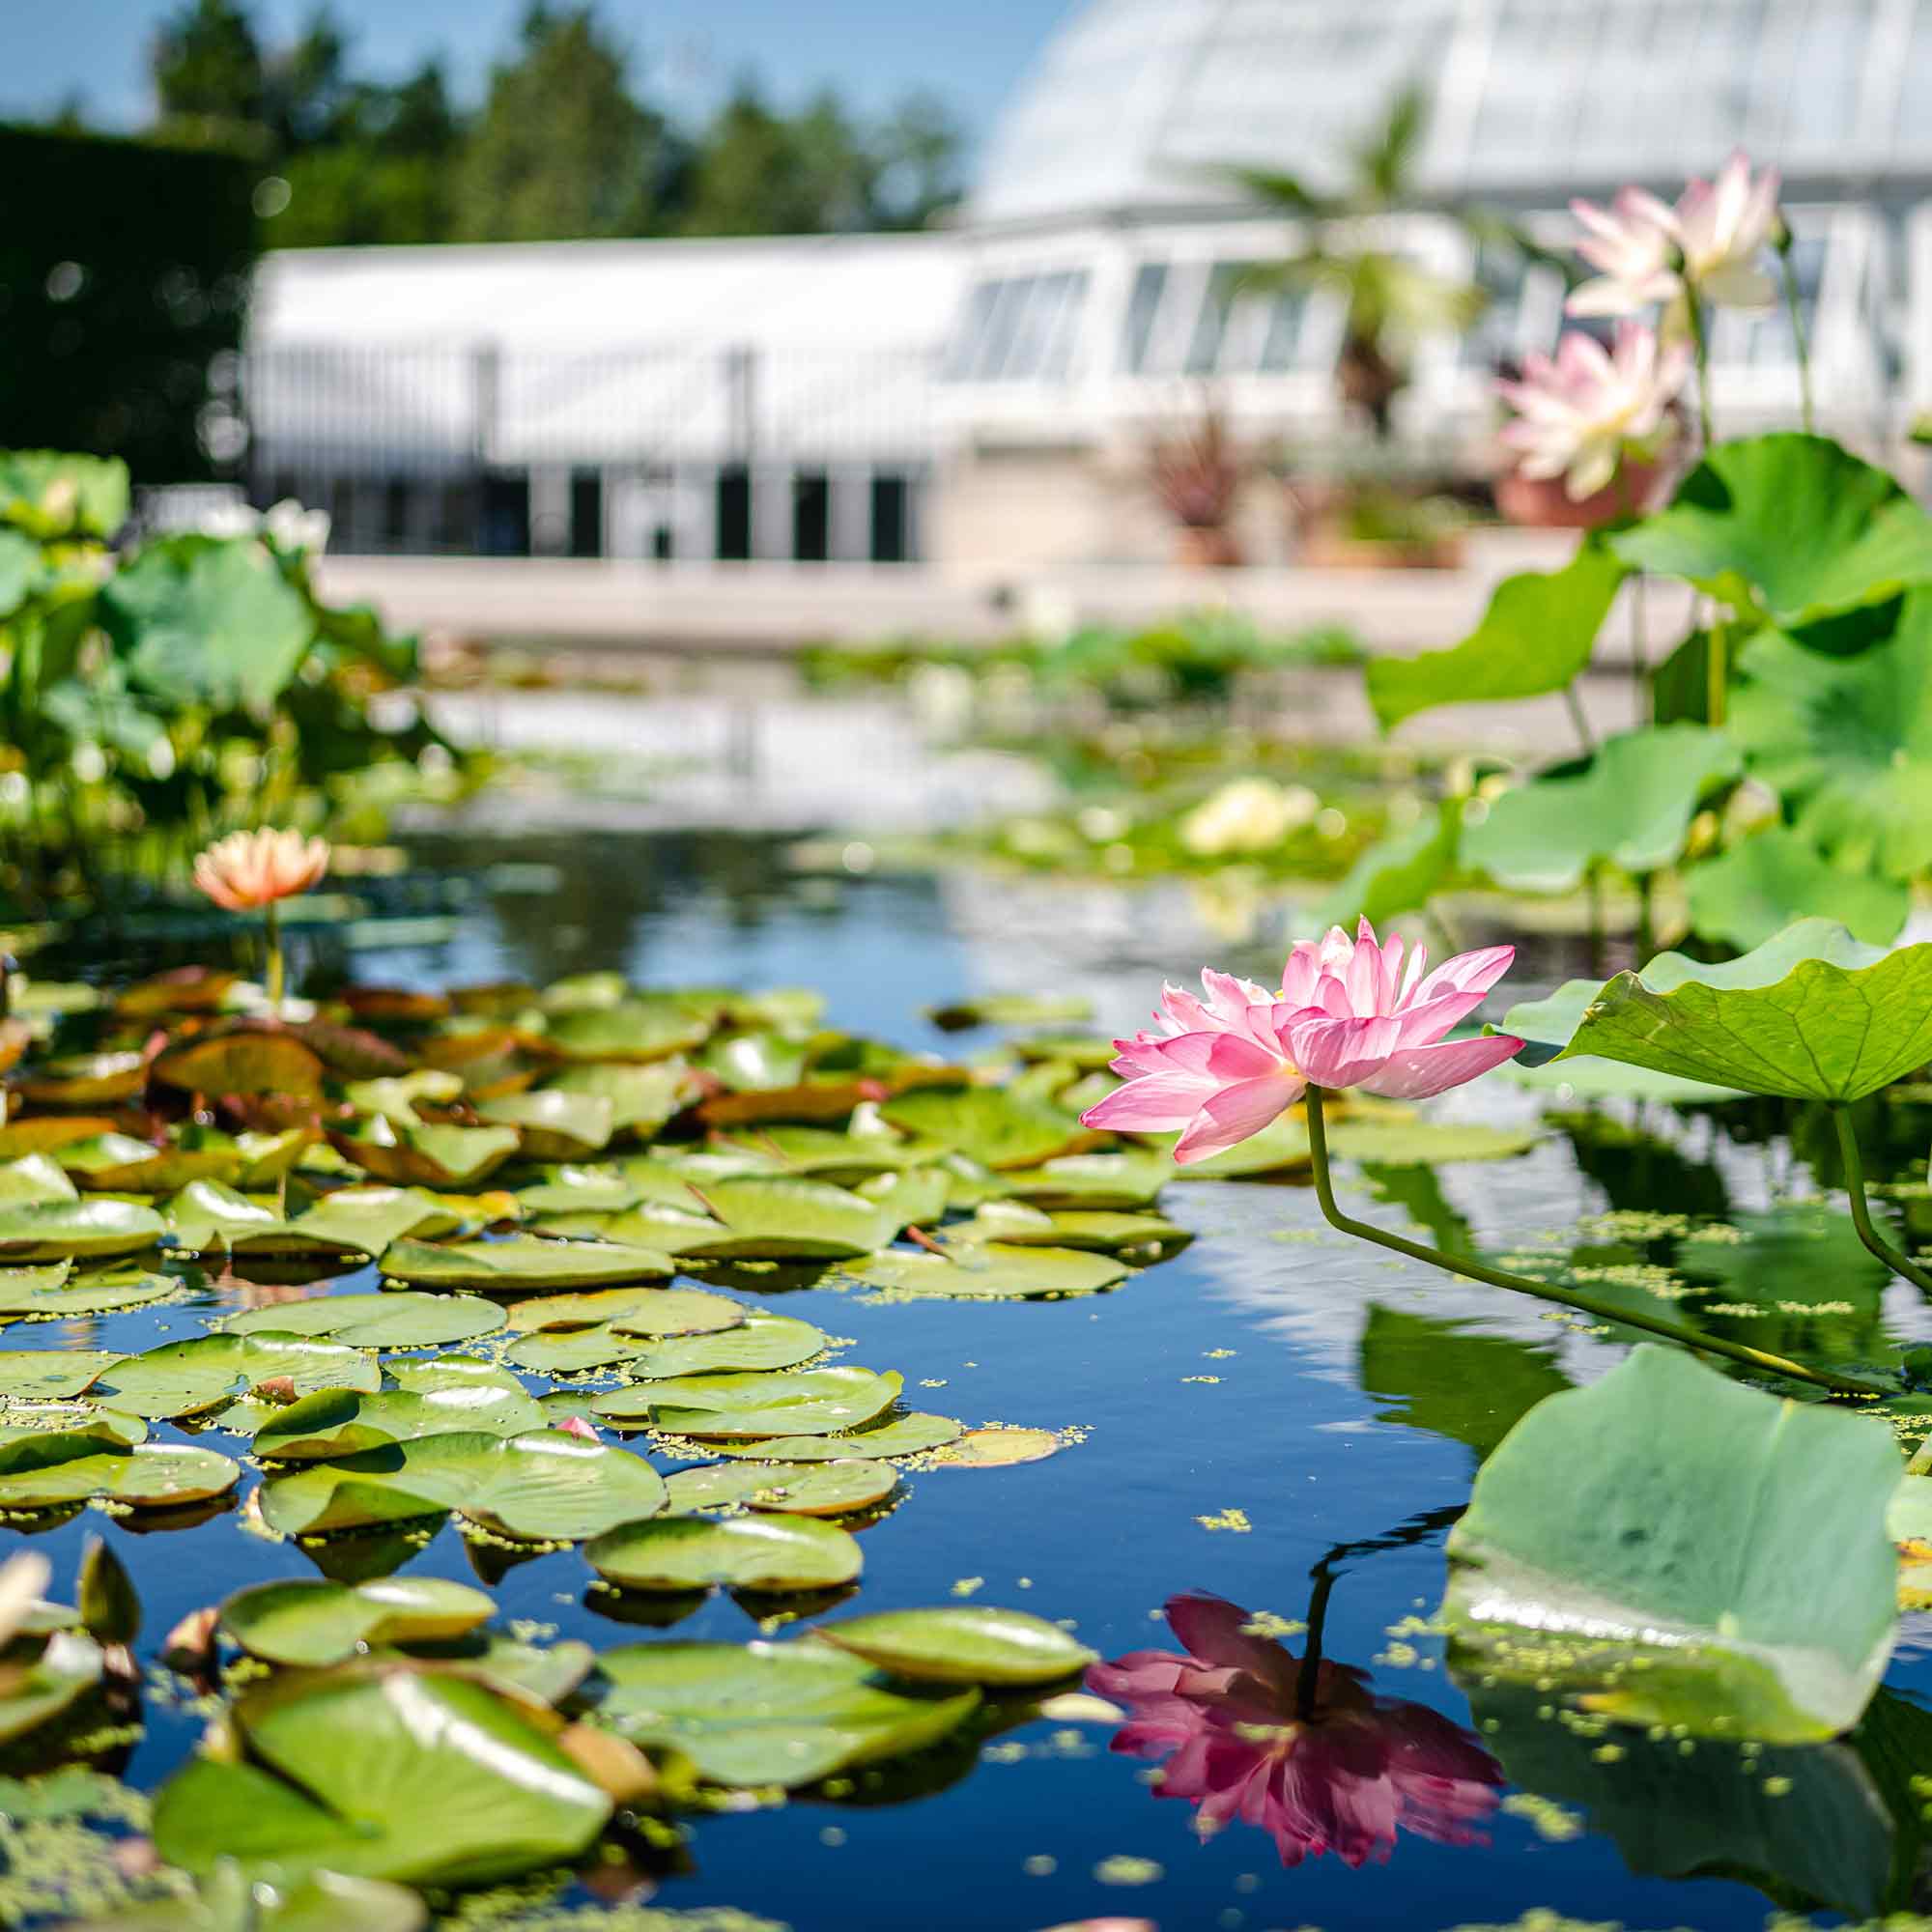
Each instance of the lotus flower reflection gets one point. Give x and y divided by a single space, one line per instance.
1223 1064
1345 1775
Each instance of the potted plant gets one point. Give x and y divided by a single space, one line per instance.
1199 474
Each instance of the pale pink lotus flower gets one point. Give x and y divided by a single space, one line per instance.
1344 1775
1220 1068
1580 413
248 870
1632 244
1723 228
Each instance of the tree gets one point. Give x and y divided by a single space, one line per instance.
561 151
916 149
309 89
208 78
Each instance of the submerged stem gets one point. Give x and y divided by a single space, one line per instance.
1563 1297
1862 1220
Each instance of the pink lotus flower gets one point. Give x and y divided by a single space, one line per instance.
1578 415
248 870
1220 1068
1633 244
1346 1778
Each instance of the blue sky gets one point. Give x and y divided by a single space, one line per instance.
684 51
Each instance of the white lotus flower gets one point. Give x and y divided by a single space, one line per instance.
1579 414
1723 228
1634 244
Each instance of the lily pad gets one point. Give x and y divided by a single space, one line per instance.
803 1488
785 1218
962 1644
912 1434
632 1311
117 1164
1099 1230
191 1376
207 1217
635 1030
692 1553
767 1714
68 1666
553 1125
758 1341
989 1125
426 1156
395 1320
316 1622
1734 1543
989 1271
998 1449
241 1063
54 1468
1104 1181
46 1231
641 1099
385 1774
742 1408
44 1374
1811 1014
332 1423
57 1292
1012 1010
517 1263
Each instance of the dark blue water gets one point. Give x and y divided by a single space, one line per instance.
1232 1384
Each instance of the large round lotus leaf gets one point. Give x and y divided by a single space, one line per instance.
553 1125
426 1156
641 1098
396 1320
452 1371
579 1190
810 1402
116 1163
365 1219
192 1377
832 1156
392 1773
903 1436
989 1271
803 1488
49 1231
67 1669
636 1029
962 1644
542 1486
86 1079
112 1426
43 1470
239 1064
644 1311
229 1901
767 1714
760 1342
57 1292
41 1374
34 1176
574 1350
780 1218
207 1217
315 1622
917 1198
692 1553
548 1672
1099 1230
1106 1181
334 1422
998 1449
989 1125
517 1264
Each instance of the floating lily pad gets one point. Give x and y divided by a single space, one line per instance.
57 1292
990 1126
85 1079
451 1372
517 1263
635 1030
758 1341
552 1124
998 1449
1684 1550
316 1622
832 1156
332 1423
989 1271
1012 1010
191 1376
734 1407
767 1714
692 1553
241 1063
396 1097
542 1486
386 1774
805 1489
44 1374
68 1666
426 1156
1099 1230
1811 1014
640 1311
229 1901
46 1231
641 1099
209 1217
47 1469
962 1644
903 1436
1095 1181
401 1320
783 1217
117 1164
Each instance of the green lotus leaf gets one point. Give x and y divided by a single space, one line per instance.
46 1231
191 1376
243 1063
85 1079
798 1488
266 1159
1101 1231
78 1418
40 1374
782 1217
644 1311
52 1468
229 1901
316 1622
1631 806
758 1341
766 1714
553 1125
385 1774
332 1423
1012 1010
1400 874
68 1666
451 1372
366 1220
516 1264
35 1177
118 1163
399 1320
917 1198
50 493
426 1156
989 1270
1752 892
962 1644
1436 1142
207 1217
692 1553
741 1408
1536 635
1552 1022
1118 1181
989 1125
1811 1014
839 1157
57 1292
584 1190
638 1029
1791 526
912 1434
641 1099
1733 1542
542 1486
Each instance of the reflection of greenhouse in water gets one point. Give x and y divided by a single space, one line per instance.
986 394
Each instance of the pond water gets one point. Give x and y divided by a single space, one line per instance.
1274 1403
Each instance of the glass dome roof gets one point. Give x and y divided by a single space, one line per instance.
1134 102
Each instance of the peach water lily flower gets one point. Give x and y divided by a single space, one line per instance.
248 870
1632 244
1580 413
1220 1067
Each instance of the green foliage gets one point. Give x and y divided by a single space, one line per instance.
1757 886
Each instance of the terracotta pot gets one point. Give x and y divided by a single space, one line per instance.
1206 549
1541 503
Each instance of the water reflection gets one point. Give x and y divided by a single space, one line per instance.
1300 1747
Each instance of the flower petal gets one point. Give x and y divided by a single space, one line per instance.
1237 1113
1416 1072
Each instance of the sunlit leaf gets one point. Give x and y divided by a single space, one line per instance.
962 1644
694 1552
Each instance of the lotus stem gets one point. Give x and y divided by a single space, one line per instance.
1855 1185
272 940
1643 707
1716 670
1579 719
1700 343
1794 302
1563 1297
